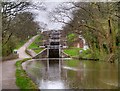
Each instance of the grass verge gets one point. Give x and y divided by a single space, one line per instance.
22 79
72 51
35 45
75 52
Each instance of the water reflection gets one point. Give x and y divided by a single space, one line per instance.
73 74
51 76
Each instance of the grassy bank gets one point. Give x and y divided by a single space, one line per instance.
22 79
75 52
72 51
35 45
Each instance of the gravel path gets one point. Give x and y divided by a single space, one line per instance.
8 67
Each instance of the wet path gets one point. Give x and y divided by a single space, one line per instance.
8 67
8 75
73 74
21 51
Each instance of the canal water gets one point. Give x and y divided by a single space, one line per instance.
73 74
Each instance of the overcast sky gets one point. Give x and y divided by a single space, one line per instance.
43 16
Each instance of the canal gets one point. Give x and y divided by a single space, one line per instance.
72 74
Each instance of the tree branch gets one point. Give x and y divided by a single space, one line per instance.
7 40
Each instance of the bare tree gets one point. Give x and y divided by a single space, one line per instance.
97 22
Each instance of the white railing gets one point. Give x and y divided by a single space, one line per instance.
54 46
55 36
54 40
